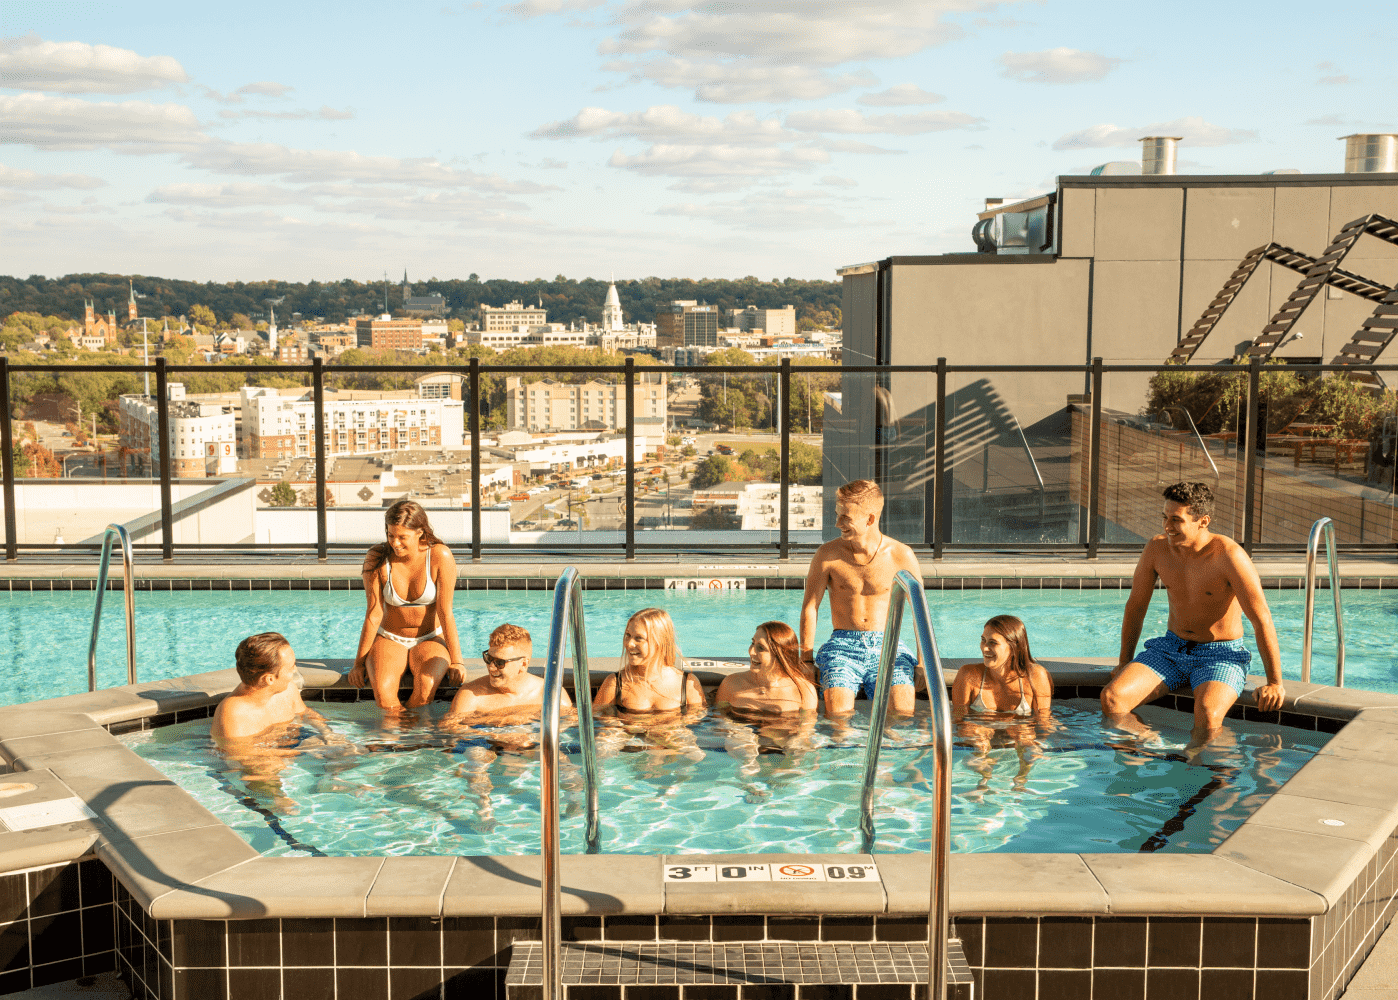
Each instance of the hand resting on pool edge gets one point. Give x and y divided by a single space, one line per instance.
507 693
1211 584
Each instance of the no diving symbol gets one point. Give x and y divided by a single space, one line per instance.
715 584
799 871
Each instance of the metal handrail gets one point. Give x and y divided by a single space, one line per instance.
1325 527
906 587
1198 437
129 589
567 612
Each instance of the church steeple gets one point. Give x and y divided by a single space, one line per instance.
611 312
131 301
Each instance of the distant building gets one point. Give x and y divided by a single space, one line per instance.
431 304
440 385
544 335
685 323
294 352
596 405
385 332
96 326
773 322
357 422
194 425
334 342
511 316
612 321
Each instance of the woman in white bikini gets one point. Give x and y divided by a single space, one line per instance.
1007 680
409 582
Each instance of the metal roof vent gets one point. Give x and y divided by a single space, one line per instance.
1116 168
1158 154
1373 153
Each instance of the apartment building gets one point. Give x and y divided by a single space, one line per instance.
356 422
387 333
510 316
596 404
195 427
773 322
685 323
544 335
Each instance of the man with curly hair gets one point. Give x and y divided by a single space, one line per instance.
507 683
1211 584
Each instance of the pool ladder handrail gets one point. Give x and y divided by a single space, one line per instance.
567 613
128 586
908 589
1323 527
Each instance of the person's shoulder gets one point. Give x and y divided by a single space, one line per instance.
442 551
833 549
901 551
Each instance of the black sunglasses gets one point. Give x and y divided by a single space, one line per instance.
497 661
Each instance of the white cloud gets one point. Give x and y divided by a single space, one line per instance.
264 88
30 63
849 122
1193 130
666 124
772 50
843 182
14 177
780 210
1056 66
722 161
1336 80
902 95
540 8
852 146
323 113
236 195
67 123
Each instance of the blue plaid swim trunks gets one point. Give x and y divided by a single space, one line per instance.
1179 661
850 660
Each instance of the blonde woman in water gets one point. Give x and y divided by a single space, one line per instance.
652 695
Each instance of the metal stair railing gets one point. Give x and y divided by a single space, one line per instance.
1325 527
1369 341
1197 436
907 588
567 613
129 590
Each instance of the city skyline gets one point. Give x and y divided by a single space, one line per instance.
516 140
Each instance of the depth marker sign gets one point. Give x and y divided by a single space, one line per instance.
790 872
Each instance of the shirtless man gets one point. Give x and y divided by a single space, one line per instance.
1212 584
857 569
266 696
507 683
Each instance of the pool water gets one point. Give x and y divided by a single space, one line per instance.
44 635
420 787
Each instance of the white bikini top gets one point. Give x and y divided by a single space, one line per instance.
1025 706
390 596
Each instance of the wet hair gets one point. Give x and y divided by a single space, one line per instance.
786 650
1012 630
508 635
1195 496
660 628
259 654
861 493
403 514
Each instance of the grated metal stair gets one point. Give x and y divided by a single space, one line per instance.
1321 273
799 970
1370 339
1277 253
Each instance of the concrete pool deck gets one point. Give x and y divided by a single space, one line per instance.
1311 896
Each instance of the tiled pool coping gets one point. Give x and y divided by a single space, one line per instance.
178 862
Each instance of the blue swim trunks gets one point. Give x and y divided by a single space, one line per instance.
850 660
1180 662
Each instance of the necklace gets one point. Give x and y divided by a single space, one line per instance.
877 548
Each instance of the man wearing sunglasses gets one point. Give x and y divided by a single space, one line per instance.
507 683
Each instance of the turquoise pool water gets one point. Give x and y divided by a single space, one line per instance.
417 787
44 635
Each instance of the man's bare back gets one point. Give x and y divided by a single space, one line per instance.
857 571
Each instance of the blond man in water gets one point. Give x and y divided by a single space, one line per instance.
507 685
857 571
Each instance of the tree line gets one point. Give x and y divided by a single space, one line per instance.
567 300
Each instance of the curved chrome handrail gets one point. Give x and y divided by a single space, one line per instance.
1198 437
1325 527
567 611
906 587
129 589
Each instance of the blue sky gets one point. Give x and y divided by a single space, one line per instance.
641 137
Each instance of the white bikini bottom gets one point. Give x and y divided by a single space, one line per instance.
409 641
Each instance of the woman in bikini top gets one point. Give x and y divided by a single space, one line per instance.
1007 680
774 681
409 583
649 680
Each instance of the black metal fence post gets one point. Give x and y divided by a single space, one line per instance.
318 398
162 415
474 388
941 499
7 462
630 458
1254 435
784 401
1094 480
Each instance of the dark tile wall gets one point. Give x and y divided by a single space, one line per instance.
1346 934
56 923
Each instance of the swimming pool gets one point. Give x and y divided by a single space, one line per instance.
418 788
45 634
